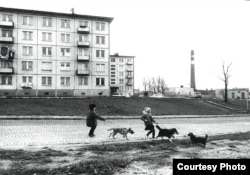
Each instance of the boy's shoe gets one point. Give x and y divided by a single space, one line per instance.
92 135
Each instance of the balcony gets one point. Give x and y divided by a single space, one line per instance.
83 58
4 39
129 83
129 63
6 24
129 76
129 70
83 72
9 70
84 44
83 29
27 85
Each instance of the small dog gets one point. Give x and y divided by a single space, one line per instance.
123 131
166 133
197 140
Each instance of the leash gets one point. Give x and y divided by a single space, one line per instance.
116 124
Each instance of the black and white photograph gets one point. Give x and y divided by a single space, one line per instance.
124 87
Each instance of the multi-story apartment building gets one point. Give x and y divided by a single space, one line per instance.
122 74
55 54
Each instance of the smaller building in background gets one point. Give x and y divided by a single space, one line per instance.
122 75
235 93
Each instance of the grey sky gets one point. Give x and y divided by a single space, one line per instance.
162 33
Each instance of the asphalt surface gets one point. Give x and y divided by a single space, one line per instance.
17 134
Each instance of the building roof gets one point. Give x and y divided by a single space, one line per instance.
48 13
117 55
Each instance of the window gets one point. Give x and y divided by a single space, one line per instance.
6 80
83 81
7 17
84 23
65 66
112 59
100 53
47 22
65 38
121 66
47 66
83 52
6 33
112 68
65 81
121 87
112 72
100 67
100 39
129 73
27 50
129 60
121 60
112 75
121 74
27 79
83 67
27 35
100 26
47 51
27 65
46 36
65 51
100 81
65 23
27 20
46 81
83 38
6 64
121 81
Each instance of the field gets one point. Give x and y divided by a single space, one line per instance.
147 157
107 106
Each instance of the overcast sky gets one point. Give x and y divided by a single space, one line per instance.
162 33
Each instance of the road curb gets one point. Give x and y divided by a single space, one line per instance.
41 117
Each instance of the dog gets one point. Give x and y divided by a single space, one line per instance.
198 140
166 133
123 131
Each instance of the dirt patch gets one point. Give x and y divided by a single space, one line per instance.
147 157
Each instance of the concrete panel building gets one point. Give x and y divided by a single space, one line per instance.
122 74
55 54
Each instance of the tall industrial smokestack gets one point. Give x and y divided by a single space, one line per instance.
192 83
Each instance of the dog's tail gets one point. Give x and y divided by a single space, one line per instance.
158 127
110 129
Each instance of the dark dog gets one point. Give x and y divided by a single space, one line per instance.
123 131
198 140
166 133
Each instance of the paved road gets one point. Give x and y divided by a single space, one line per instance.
42 133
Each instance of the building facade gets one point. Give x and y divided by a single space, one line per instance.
235 93
122 75
55 54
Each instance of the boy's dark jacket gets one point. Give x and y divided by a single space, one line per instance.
92 119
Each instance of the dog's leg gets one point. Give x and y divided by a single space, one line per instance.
170 139
114 135
110 134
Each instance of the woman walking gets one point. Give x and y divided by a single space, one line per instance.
148 121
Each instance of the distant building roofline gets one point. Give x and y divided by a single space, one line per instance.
49 13
117 55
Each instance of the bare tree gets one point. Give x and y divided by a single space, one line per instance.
225 78
145 83
154 85
163 86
